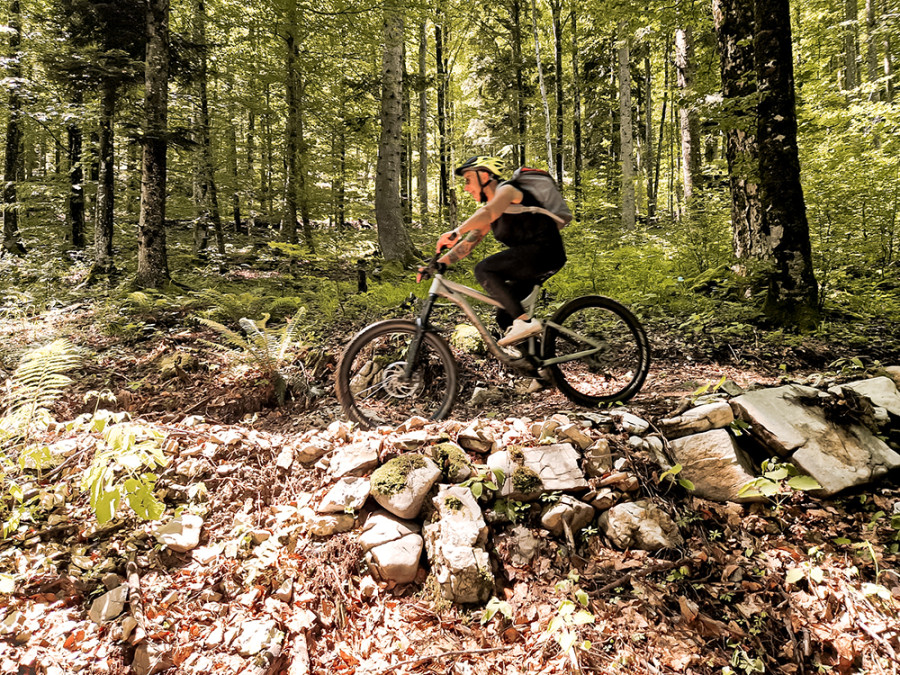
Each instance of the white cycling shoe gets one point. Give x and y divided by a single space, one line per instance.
521 330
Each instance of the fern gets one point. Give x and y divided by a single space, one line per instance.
36 385
265 347
233 306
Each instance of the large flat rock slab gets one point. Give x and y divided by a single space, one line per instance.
881 391
838 457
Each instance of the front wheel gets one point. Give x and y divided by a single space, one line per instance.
598 351
372 385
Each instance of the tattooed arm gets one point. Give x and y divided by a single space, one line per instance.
479 224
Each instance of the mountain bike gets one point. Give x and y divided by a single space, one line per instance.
593 349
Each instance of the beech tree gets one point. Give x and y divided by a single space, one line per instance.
12 242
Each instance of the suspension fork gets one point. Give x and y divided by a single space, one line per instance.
421 328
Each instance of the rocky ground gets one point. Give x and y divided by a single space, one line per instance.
791 584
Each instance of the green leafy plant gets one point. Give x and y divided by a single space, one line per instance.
496 606
123 466
36 384
570 615
265 347
512 510
778 482
485 478
673 475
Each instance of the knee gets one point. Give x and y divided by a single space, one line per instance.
481 272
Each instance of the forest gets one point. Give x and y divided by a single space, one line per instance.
203 201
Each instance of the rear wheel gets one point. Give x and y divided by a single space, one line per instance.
615 354
371 385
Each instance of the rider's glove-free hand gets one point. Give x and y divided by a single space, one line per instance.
428 271
446 240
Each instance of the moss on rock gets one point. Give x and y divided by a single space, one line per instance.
466 338
526 481
452 459
390 478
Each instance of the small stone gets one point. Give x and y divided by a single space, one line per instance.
477 437
368 588
151 658
112 580
631 423
181 534
412 424
285 458
598 458
257 636
129 623
402 484
285 591
573 432
327 524
482 396
357 459
697 420
259 536
347 495
109 605
568 509
641 525
312 450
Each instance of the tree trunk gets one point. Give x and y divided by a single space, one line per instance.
265 167
12 241
75 201
251 161
851 18
422 180
792 297
872 48
626 135
546 105
303 168
153 264
106 188
441 115
233 170
735 26
518 65
392 236
556 10
576 116
689 121
340 215
406 143
209 198
291 131
649 165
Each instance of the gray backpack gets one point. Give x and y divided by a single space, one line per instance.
540 185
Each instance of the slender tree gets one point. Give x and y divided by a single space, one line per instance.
576 114
75 201
626 134
393 238
422 179
688 117
292 123
556 11
12 241
544 102
153 264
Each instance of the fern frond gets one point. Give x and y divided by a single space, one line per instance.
290 330
260 338
232 337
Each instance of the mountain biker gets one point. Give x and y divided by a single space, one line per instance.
535 248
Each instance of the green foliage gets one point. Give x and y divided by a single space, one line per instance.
485 479
673 475
266 348
512 510
35 386
570 615
496 606
123 466
778 482
390 478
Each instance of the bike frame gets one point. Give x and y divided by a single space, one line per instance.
457 293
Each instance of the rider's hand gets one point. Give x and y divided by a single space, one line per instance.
446 240
428 271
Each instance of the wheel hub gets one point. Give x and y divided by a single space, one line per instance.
399 386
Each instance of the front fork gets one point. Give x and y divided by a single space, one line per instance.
418 336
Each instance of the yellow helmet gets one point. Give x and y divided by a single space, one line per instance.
493 165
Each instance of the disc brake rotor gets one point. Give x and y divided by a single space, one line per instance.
398 386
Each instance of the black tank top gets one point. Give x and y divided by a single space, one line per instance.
520 229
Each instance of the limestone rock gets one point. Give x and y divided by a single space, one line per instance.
285 458
412 424
477 437
568 509
893 372
630 423
715 464
641 525
453 461
312 450
520 482
411 440
838 457
392 547
326 524
109 605
557 466
151 658
356 459
697 420
455 544
484 396
348 494
257 635
598 458
881 391
181 534
466 338
575 434
521 545
402 484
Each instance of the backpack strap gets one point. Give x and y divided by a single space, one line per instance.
518 208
